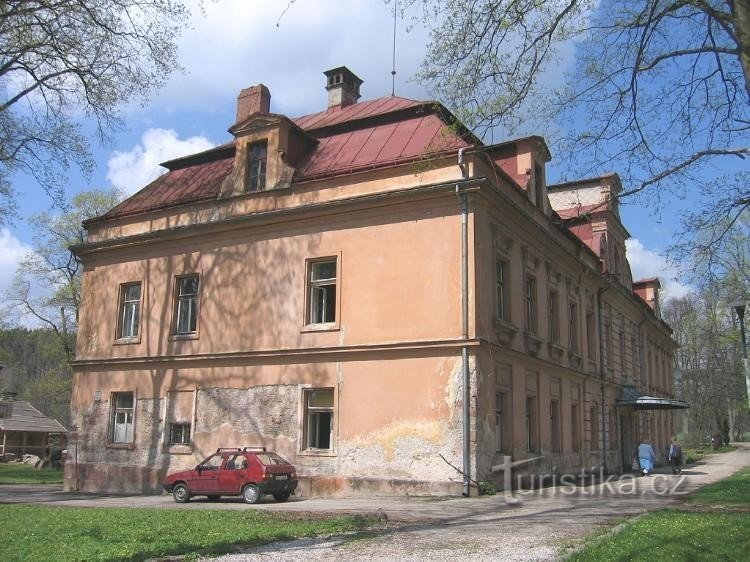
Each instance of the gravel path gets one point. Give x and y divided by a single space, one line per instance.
534 527
538 527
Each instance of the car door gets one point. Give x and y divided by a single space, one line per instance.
232 474
207 475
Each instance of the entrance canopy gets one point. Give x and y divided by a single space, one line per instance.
631 398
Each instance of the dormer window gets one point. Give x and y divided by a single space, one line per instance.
257 156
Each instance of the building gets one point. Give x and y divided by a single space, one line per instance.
25 430
373 293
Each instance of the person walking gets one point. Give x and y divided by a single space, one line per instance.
646 457
675 456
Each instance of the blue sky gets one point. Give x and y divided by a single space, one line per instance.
237 43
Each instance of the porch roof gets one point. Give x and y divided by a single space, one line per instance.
632 398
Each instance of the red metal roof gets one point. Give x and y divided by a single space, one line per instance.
381 132
183 185
353 112
379 145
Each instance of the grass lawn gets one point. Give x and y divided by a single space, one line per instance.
697 532
675 535
69 533
18 473
734 490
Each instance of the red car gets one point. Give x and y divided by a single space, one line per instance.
249 472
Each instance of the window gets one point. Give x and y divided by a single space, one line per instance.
236 462
130 311
502 418
622 353
318 419
530 301
573 327
179 434
179 414
608 343
122 418
612 427
256 166
575 427
554 317
554 423
186 305
322 292
502 290
531 430
594 414
635 367
590 343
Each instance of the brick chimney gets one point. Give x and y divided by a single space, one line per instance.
256 99
343 87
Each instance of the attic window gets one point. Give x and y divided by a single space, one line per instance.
256 166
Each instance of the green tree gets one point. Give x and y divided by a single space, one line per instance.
47 284
658 89
65 60
35 366
708 361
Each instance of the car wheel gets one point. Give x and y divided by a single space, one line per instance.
181 494
282 496
251 493
213 498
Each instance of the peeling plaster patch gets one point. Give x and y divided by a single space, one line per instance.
409 450
433 432
269 410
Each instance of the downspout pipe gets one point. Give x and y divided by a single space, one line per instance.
600 310
466 409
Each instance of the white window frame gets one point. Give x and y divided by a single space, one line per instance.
126 304
191 301
313 288
126 436
304 425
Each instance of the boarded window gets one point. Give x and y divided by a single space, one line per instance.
179 416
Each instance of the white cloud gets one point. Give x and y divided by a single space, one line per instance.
12 251
237 43
647 263
133 169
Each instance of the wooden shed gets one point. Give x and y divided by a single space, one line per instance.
24 429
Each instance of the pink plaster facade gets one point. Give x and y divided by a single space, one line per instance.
547 364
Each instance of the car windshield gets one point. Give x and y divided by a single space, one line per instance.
270 459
